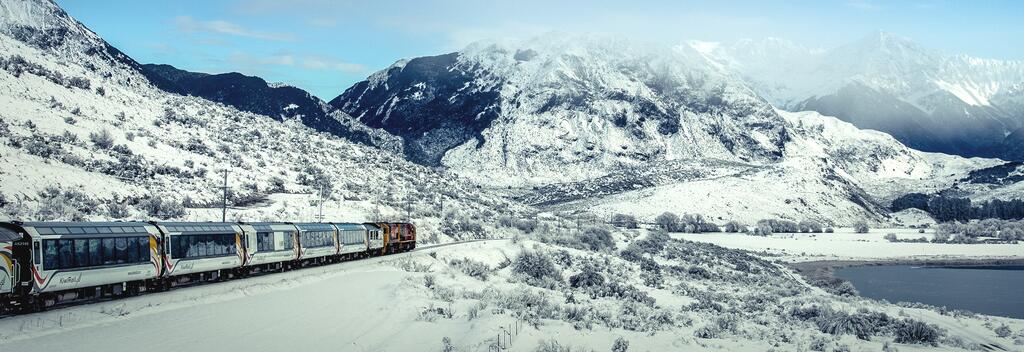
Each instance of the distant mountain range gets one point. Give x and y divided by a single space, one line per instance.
953 104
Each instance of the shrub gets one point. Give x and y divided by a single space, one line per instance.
667 221
860 227
840 323
537 267
829 230
625 221
808 226
102 139
620 345
472 268
158 207
914 331
891 237
1003 331
597 239
586 278
735 226
769 226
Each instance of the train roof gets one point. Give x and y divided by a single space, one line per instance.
86 228
7 234
349 226
270 226
314 226
199 227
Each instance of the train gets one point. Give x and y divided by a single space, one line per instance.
43 264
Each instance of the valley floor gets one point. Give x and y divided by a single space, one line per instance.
846 245
412 301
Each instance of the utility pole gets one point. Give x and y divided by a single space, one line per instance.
224 199
320 213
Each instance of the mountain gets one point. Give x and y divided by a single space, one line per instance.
85 135
563 108
930 101
255 95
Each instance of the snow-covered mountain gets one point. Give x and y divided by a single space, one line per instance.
930 101
83 134
606 125
253 94
562 108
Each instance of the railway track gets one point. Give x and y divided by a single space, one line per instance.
367 260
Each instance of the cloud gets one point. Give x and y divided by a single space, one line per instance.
190 25
864 5
310 62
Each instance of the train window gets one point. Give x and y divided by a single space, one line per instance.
108 251
44 230
90 230
81 252
265 241
60 231
76 230
95 252
121 250
50 254
143 249
133 250
65 257
36 253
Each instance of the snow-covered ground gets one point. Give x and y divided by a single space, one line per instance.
411 302
845 244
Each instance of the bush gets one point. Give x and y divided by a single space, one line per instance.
891 237
668 221
829 230
808 226
839 323
586 278
625 221
472 268
914 331
769 226
860 227
102 139
157 207
735 226
620 345
597 239
537 268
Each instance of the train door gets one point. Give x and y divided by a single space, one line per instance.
8 268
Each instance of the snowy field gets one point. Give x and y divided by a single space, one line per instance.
847 245
412 301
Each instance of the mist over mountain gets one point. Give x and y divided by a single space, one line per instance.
928 100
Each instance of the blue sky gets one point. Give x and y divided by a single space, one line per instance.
325 46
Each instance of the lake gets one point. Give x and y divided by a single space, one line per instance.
992 290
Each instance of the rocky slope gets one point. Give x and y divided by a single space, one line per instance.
564 108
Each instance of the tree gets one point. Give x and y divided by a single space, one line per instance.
668 222
624 221
621 345
891 237
860 227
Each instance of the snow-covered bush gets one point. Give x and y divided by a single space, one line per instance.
472 268
158 207
625 221
620 345
860 227
808 226
64 204
586 278
102 139
915 331
769 226
735 226
891 237
537 268
668 221
597 239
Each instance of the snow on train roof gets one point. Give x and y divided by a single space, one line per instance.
349 226
212 227
314 226
87 228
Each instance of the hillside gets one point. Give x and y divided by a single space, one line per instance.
564 108
85 135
